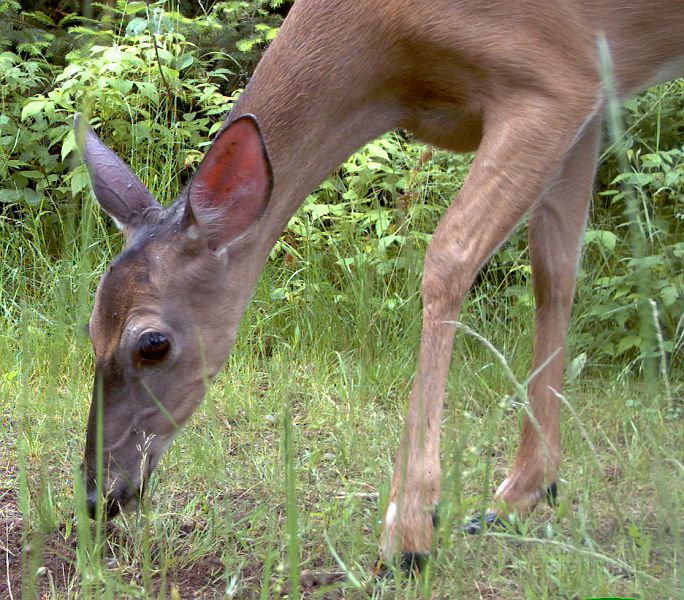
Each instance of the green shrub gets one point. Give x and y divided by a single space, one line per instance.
149 113
635 256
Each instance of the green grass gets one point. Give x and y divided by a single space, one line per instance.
244 488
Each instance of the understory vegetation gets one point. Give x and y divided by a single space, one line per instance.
300 428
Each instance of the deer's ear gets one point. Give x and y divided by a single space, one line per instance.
233 183
117 189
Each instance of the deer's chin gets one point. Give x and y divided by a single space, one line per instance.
127 504
131 505
126 500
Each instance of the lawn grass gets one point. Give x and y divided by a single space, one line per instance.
291 453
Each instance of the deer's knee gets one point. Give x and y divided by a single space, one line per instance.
447 275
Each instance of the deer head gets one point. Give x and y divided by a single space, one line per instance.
162 324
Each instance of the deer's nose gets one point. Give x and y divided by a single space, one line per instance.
91 504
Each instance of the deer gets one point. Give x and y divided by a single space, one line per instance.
517 81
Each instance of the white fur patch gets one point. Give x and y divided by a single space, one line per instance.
525 502
391 514
193 232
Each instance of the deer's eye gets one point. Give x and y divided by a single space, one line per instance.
153 346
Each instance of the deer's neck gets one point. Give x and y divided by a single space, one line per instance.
317 98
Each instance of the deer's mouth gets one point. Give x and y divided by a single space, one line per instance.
123 489
121 498
127 501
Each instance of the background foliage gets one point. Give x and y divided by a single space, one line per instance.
154 80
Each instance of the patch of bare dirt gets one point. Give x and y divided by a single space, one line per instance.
52 556
54 559
10 520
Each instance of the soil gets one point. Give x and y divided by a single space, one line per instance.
53 555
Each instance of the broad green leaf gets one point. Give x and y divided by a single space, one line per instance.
638 179
123 86
169 73
136 26
576 367
184 61
32 109
79 180
25 195
148 90
113 54
164 55
9 196
130 8
382 223
31 174
607 239
669 294
377 150
627 342
246 45
69 144
318 210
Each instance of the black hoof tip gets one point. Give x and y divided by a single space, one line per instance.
552 494
413 563
477 525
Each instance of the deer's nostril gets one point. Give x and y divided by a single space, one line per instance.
91 503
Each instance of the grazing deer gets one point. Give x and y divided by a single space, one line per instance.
517 80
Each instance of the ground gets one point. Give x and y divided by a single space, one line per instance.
215 522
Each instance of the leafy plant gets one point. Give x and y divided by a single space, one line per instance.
624 272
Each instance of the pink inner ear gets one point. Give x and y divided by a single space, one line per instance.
234 178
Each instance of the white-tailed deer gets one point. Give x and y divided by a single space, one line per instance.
517 80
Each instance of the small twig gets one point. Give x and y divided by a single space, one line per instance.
362 495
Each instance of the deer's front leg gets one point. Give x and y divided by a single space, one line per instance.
520 155
416 480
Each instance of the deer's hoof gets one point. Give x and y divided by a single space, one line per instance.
411 564
552 494
481 523
477 525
